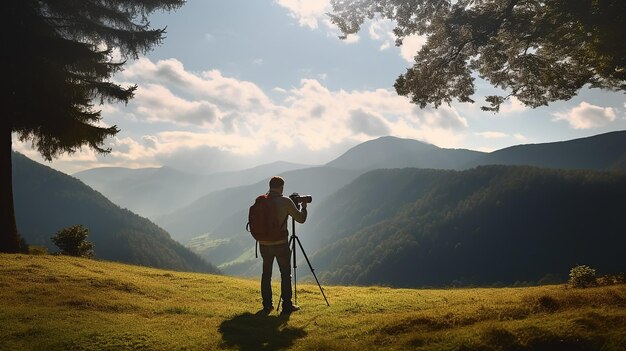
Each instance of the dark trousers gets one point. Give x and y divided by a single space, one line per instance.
282 253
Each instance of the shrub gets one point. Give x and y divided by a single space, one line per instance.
612 279
582 276
73 241
37 250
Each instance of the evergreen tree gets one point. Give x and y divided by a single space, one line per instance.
536 50
57 59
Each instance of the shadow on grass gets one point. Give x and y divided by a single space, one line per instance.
259 332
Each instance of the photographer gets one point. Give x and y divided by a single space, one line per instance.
280 248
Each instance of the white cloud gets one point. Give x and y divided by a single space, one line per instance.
512 105
158 104
307 12
492 135
520 137
182 113
368 123
351 39
410 46
586 116
444 117
500 135
149 141
169 93
382 31
310 13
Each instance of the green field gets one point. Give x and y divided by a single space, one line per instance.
62 303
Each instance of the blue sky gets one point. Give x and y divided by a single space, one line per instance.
240 83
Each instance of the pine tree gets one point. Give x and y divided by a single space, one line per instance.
57 59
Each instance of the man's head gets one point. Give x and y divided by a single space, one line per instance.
276 184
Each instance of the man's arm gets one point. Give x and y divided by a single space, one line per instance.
292 210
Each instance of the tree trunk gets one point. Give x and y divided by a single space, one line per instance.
9 238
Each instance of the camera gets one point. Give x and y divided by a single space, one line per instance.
298 199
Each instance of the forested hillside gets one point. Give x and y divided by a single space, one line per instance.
489 225
604 151
47 201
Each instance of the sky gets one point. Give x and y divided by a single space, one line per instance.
238 83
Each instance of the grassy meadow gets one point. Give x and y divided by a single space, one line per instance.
62 303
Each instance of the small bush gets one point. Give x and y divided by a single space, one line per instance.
582 277
73 241
612 279
37 250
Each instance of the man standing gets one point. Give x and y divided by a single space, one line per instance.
279 249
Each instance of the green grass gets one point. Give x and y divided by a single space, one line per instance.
61 303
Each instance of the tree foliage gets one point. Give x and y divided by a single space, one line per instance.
72 241
536 50
58 59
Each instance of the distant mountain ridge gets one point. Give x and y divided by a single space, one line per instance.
604 151
152 192
47 201
392 152
148 191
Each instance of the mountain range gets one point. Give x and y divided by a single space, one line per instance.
161 193
153 192
397 183
47 201
225 240
600 152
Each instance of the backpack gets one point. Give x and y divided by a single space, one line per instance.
262 220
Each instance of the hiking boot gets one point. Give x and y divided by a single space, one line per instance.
288 309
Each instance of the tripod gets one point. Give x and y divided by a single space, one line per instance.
292 243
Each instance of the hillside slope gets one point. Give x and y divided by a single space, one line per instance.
63 303
47 201
601 152
146 191
489 225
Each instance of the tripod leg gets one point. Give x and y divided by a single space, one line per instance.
310 267
295 275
